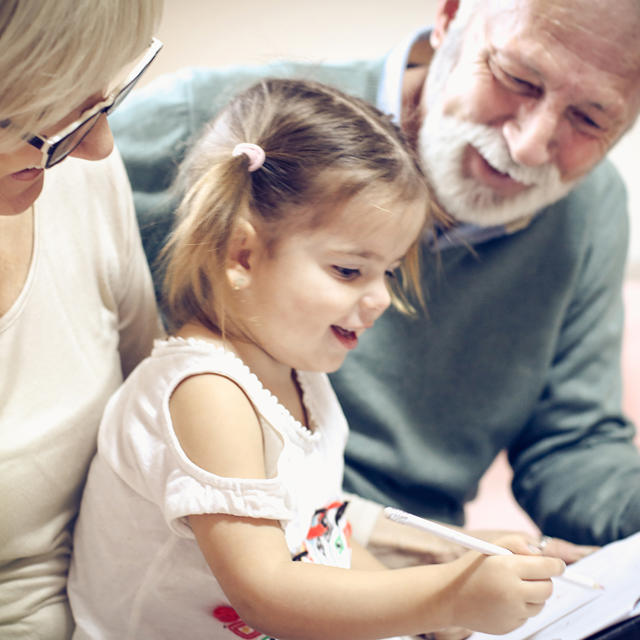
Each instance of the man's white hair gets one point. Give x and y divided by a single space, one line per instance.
465 12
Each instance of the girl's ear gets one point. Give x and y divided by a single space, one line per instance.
445 13
243 248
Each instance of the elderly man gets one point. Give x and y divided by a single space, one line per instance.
513 105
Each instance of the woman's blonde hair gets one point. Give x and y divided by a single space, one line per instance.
57 53
322 148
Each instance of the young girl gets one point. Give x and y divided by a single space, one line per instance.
220 458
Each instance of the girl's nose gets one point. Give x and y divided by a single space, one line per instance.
375 301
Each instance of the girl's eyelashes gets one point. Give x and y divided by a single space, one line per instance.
350 273
345 273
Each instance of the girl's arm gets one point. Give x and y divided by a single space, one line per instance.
287 599
363 559
292 600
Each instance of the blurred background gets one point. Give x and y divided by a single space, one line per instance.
217 33
221 33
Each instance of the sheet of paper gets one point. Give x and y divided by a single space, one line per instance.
574 612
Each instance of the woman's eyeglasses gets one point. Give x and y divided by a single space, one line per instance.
58 147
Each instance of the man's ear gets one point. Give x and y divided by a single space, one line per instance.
243 247
445 13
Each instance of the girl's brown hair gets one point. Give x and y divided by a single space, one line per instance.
322 147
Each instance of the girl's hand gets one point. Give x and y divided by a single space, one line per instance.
496 594
453 633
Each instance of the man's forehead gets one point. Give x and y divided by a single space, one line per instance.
618 23
572 43
591 30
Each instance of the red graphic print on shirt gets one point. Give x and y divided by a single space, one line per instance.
232 621
328 538
327 543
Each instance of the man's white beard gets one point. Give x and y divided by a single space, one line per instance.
441 144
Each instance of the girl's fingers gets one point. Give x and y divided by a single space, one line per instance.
538 591
533 609
540 568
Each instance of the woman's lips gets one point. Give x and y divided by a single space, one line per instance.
347 338
28 174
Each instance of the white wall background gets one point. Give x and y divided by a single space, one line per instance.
224 32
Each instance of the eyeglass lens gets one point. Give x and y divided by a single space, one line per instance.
67 144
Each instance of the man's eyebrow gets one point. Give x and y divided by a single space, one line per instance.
612 109
502 56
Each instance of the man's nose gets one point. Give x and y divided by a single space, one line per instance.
532 135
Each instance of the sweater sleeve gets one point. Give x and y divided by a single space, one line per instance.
577 470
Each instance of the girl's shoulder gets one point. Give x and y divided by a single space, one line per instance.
193 349
175 359
186 357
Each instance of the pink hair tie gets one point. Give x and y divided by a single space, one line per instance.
254 152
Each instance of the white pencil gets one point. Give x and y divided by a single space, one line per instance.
476 544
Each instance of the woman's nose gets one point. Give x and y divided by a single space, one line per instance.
97 144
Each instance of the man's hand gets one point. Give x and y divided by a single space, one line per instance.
554 547
559 548
397 545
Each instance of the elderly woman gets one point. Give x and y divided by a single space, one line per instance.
77 310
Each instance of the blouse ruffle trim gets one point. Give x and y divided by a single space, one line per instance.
266 403
246 498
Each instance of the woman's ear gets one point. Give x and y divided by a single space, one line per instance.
445 13
243 248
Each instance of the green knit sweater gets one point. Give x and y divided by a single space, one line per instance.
519 349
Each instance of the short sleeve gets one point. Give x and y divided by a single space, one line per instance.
190 490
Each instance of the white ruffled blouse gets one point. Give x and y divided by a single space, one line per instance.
136 564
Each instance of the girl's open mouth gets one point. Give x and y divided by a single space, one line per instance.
348 338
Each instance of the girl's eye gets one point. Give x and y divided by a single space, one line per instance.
345 272
390 274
